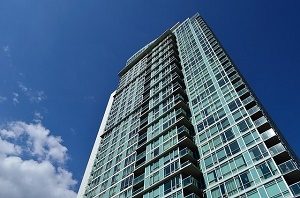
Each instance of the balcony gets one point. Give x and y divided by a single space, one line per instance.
192 195
187 152
268 134
183 130
238 83
179 97
253 110
248 100
180 112
235 76
138 179
259 122
142 139
141 155
277 149
243 91
295 189
143 122
190 181
191 186
287 167
137 191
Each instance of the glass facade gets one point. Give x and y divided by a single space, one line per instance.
184 123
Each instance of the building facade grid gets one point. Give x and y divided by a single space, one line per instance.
184 123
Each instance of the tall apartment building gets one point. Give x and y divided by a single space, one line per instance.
183 122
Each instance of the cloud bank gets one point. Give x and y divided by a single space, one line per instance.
32 163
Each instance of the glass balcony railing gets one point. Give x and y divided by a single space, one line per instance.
277 149
137 190
142 137
141 155
287 167
138 179
144 121
234 77
295 189
260 121
248 99
243 91
253 110
182 129
180 112
237 84
184 164
190 181
268 134
186 151
193 195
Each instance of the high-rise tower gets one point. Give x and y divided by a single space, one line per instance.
184 123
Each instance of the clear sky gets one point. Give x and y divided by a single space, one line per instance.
59 61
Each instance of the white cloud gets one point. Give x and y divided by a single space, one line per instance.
32 163
8 148
37 96
37 117
15 98
6 50
2 99
33 96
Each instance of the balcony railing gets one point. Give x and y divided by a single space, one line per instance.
238 83
144 136
277 149
253 110
180 111
234 76
182 129
248 99
295 189
243 91
190 181
260 121
141 155
287 167
268 134
137 191
186 151
193 195
138 179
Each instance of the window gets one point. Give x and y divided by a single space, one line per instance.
225 168
171 168
266 169
239 161
211 177
242 126
171 185
258 152
208 162
126 182
154 166
154 178
227 135
231 187
221 154
272 189
234 147
246 179
156 152
112 191
205 149
216 193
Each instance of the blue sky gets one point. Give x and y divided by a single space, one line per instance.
59 61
